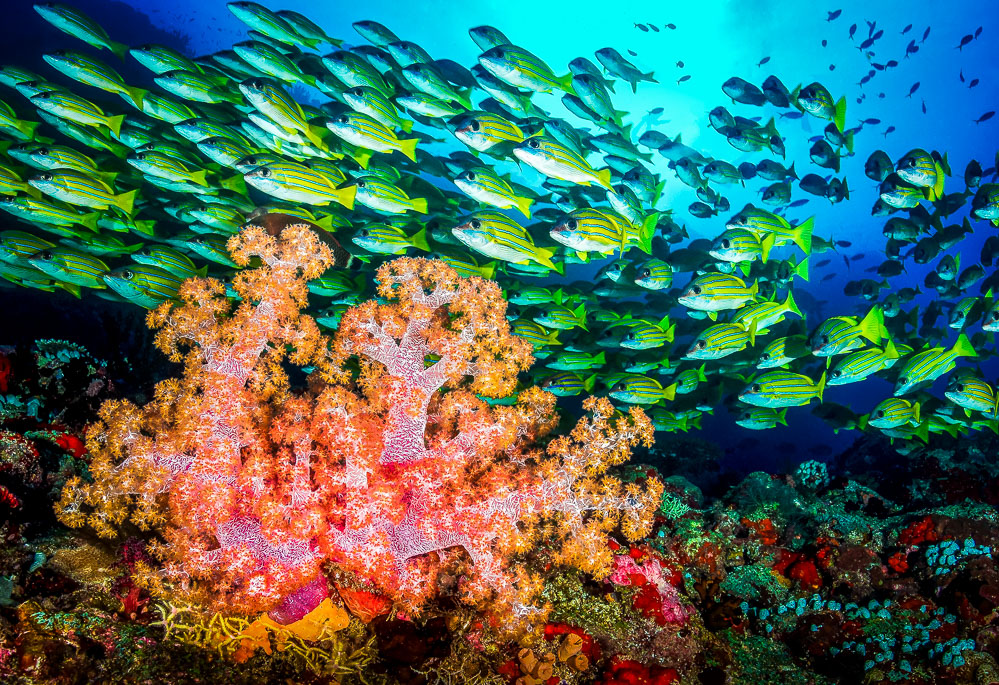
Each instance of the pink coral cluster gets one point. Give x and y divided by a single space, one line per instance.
657 597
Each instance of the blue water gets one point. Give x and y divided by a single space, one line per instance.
715 41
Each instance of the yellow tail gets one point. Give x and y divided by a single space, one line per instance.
126 201
524 205
407 146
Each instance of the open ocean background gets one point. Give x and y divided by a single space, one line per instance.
714 40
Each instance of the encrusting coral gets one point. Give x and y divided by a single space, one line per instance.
392 468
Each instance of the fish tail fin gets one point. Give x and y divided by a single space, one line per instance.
119 49
601 357
791 172
565 83
580 314
145 226
126 201
71 288
766 245
543 256
839 114
361 156
419 240
312 134
669 392
589 382
938 185
963 347
891 352
771 128
137 95
915 412
658 192
821 387
407 146
200 177
487 271
552 338
744 268
114 123
803 235
419 204
701 376
862 421
90 220
791 306
848 140
524 205
923 432
345 196
782 416
604 178
236 184
651 76
846 190
801 271
646 231
754 289
872 325
752 334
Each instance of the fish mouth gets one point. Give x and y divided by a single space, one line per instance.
523 154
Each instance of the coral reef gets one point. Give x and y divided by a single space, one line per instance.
382 522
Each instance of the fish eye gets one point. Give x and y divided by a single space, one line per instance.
364 233
700 344
960 387
343 119
265 172
476 223
533 144
836 373
141 156
475 126
756 387
696 290
726 243
646 273
825 339
470 175
572 223
43 96
765 356
43 151
903 380
358 92
45 176
879 414
361 184
127 275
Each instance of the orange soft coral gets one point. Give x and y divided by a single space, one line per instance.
397 475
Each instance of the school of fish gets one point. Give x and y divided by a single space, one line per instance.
123 192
